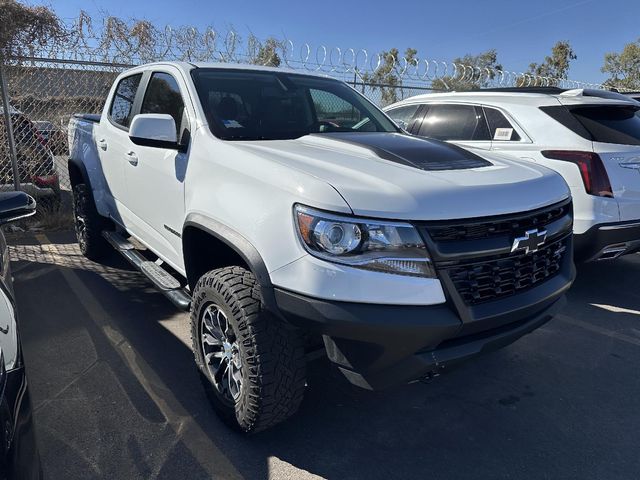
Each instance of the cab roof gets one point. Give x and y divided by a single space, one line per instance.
186 67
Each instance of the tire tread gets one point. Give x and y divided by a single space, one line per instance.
273 352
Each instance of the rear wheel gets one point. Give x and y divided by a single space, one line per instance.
89 224
251 364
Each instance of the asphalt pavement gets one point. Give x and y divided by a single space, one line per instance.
117 396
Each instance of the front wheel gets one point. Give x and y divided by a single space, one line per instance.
252 365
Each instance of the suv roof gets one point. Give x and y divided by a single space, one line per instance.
534 96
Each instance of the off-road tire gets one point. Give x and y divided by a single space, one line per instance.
271 352
89 224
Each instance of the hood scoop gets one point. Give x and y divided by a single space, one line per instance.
428 155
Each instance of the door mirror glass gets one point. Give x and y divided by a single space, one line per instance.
154 130
15 205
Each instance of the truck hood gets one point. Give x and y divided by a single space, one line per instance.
399 176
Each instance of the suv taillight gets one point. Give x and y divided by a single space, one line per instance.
594 175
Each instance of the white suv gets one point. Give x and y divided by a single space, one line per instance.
593 141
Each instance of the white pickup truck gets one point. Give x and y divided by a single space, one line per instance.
286 212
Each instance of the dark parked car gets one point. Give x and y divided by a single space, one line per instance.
53 137
19 457
36 163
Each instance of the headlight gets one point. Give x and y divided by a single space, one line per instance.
390 247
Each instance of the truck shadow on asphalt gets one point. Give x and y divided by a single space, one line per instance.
117 395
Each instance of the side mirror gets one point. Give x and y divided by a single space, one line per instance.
154 130
15 205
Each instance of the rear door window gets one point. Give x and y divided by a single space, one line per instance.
610 124
122 104
454 122
500 128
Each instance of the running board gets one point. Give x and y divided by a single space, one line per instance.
168 285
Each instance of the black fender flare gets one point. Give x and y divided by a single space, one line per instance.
79 164
243 247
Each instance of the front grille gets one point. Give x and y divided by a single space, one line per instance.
479 282
504 225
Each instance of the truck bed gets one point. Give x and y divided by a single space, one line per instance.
89 117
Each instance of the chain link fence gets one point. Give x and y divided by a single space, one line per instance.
44 93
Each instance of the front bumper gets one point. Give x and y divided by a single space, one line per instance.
489 296
607 241
379 346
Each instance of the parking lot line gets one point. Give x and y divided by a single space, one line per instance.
596 329
209 456
614 309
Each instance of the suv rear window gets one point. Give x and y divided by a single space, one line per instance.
610 124
600 123
499 127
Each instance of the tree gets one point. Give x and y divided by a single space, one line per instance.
268 53
23 27
387 76
624 67
472 72
557 65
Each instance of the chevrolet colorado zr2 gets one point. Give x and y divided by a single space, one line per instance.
285 210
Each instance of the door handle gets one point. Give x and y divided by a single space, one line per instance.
102 143
132 158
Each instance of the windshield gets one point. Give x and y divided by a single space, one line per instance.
264 105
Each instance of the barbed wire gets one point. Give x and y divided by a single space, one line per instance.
130 43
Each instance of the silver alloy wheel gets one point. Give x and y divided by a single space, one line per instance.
221 353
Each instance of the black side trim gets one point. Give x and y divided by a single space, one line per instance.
594 240
418 152
148 142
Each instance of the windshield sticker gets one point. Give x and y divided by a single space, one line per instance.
232 124
503 134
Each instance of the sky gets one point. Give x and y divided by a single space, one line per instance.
521 32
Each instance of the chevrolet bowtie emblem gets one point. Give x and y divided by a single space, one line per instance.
530 241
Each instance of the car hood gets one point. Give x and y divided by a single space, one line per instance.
399 176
